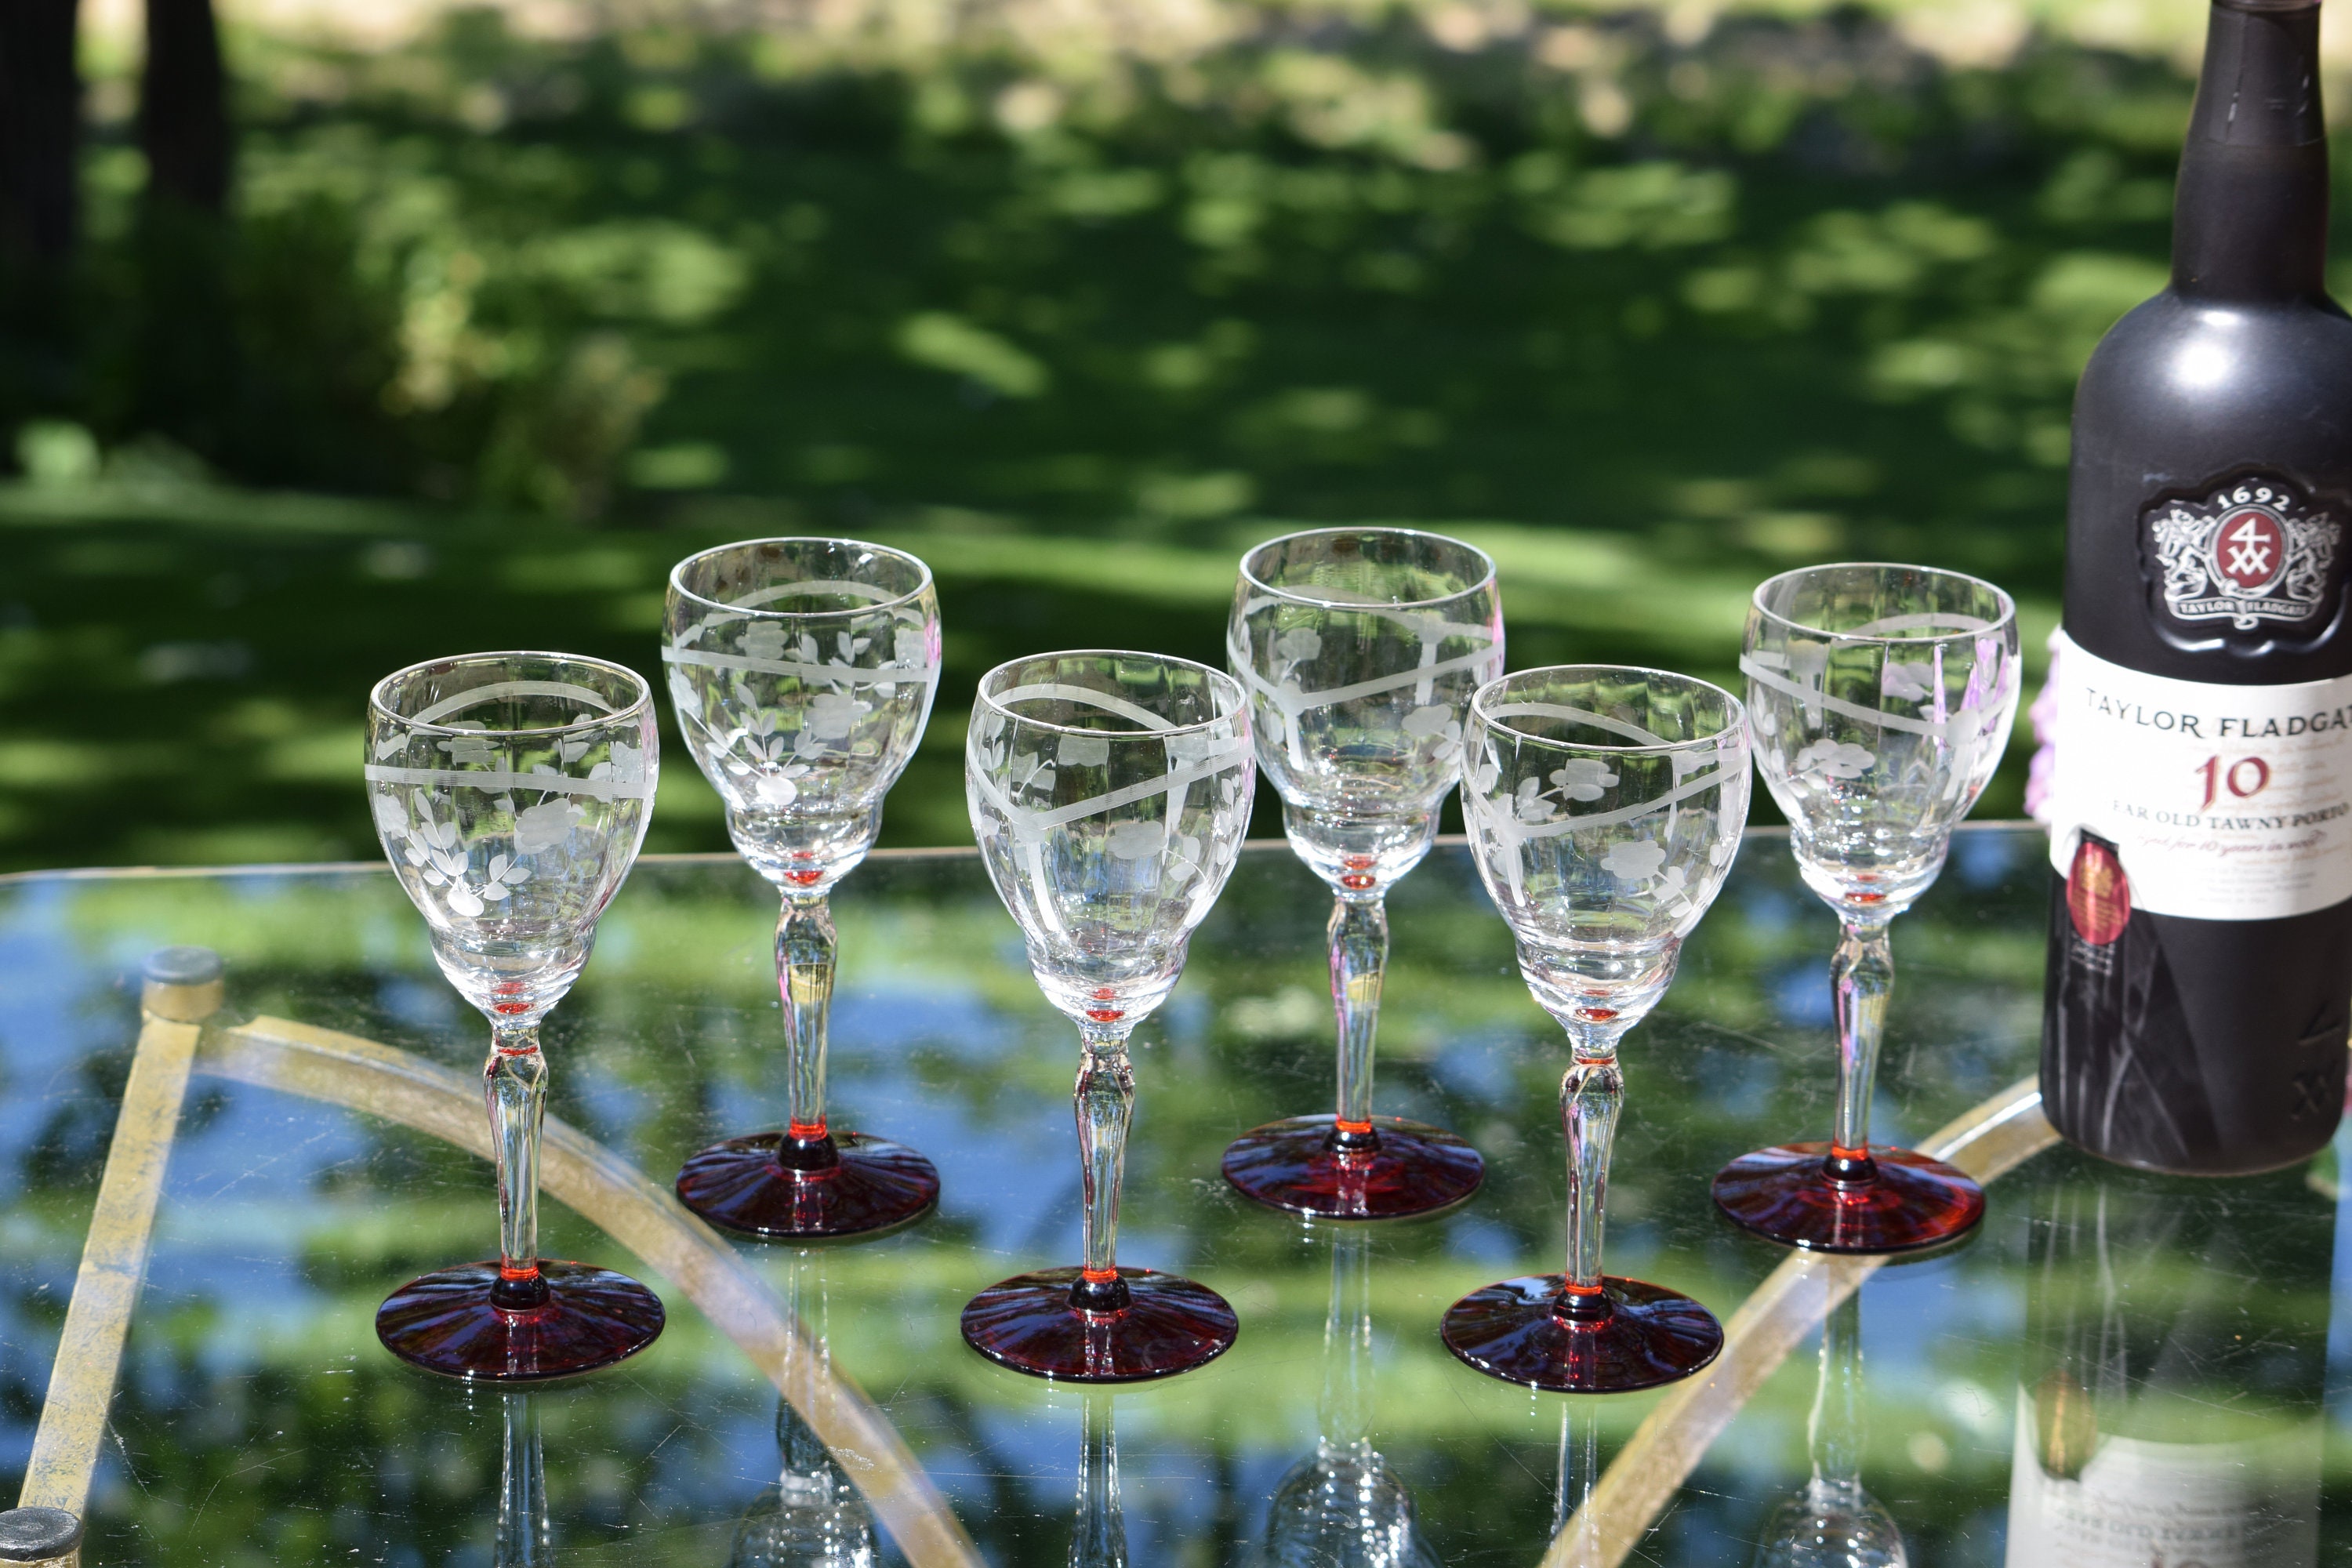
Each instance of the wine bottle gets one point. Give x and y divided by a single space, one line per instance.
2201 914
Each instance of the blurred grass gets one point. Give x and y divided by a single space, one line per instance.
1651 302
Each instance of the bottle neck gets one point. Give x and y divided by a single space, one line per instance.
2249 215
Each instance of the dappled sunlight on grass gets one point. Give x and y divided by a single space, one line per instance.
1651 302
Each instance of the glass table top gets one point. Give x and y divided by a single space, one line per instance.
2117 1369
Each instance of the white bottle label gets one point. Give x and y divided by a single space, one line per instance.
2167 1505
2224 803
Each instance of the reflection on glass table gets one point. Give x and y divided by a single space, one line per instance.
2009 1386
522 1487
813 1517
1344 1506
1831 1522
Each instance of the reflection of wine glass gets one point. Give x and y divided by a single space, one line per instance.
524 1537
1578 1473
1831 1522
813 1517
1342 1506
510 790
1361 648
802 671
1881 700
1098 1530
1109 793
1605 804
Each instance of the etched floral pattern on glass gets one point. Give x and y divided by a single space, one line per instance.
803 672
511 793
1361 648
1109 793
1605 805
1881 696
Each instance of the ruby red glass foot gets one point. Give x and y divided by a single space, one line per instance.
1518 1330
446 1323
1412 1169
1169 1325
1786 1193
871 1185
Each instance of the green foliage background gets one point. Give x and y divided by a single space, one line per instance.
1652 301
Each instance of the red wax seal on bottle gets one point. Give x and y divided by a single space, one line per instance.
2098 895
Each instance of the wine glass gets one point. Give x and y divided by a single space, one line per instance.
1604 805
511 792
1881 699
1831 1522
1344 1506
802 671
1361 648
1109 793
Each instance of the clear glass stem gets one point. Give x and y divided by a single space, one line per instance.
514 1087
1098 1540
1860 977
1346 1411
522 1490
1105 1103
1358 934
805 945
1835 1434
1591 1095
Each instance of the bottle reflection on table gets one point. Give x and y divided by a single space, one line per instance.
522 1490
2170 1406
813 1517
1831 1522
1342 1506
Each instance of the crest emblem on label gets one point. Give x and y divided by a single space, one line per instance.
2252 552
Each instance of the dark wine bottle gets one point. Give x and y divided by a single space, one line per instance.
2200 919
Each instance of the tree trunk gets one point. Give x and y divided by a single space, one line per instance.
41 127
183 109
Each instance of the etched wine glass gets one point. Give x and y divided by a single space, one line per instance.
1881 698
803 672
1361 648
511 792
1109 793
1605 804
